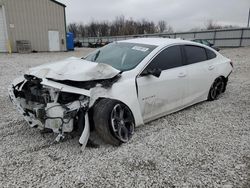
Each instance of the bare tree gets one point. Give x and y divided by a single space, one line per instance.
211 24
194 29
162 26
169 29
104 29
81 30
73 28
130 27
93 29
120 26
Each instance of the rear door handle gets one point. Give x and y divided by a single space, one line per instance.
181 74
211 67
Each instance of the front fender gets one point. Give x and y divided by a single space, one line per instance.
124 91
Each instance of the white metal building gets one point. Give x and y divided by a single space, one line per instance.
41 22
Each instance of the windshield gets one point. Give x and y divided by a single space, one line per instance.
206 42
122 56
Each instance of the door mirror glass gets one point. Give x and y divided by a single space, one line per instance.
155 72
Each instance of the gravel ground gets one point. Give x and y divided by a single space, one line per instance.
207 144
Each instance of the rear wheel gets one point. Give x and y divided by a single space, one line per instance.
114 122
216 89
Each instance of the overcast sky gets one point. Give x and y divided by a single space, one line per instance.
180 14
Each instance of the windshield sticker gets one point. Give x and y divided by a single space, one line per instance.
139 48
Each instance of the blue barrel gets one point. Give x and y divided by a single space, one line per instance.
70 41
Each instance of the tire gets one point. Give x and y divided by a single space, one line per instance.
114 122
218 87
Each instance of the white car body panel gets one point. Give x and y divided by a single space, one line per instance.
75 69
159 96
65 88
125 91
197 85
147 97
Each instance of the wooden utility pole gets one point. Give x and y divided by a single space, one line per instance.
248 18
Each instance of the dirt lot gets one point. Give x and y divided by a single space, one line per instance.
207 144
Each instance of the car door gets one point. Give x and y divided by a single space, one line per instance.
211 66
161 95
198 74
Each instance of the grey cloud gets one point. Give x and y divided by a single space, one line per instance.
181 14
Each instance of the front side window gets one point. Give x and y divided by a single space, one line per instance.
167 59
122 56
195 54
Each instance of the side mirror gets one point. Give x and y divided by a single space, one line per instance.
155 72
211 44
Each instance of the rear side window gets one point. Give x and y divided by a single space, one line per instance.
195 54
167 59
210 54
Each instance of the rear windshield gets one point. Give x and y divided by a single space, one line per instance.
122 56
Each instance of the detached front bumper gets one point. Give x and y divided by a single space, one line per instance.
52 115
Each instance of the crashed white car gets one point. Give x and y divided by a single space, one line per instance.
120 86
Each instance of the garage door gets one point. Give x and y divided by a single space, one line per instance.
3 32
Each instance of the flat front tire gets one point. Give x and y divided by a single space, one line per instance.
114 121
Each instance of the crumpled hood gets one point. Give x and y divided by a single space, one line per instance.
74 69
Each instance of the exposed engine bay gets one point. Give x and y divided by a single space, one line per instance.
46 107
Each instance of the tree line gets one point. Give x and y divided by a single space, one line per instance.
120 26
211 25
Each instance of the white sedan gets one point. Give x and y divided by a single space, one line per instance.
120 86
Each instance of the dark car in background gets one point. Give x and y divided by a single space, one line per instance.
207 43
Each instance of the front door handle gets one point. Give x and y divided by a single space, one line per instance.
211 67
181 74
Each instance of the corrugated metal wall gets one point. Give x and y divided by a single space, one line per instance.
32 19
224 38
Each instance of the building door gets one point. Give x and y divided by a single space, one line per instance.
54 42
3 31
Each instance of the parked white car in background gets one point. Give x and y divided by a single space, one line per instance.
120 86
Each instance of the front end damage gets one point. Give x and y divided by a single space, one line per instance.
61 95
51 108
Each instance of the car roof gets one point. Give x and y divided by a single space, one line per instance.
158 41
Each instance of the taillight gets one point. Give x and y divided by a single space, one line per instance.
231 63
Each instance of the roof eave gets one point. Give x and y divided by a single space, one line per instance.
61 4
